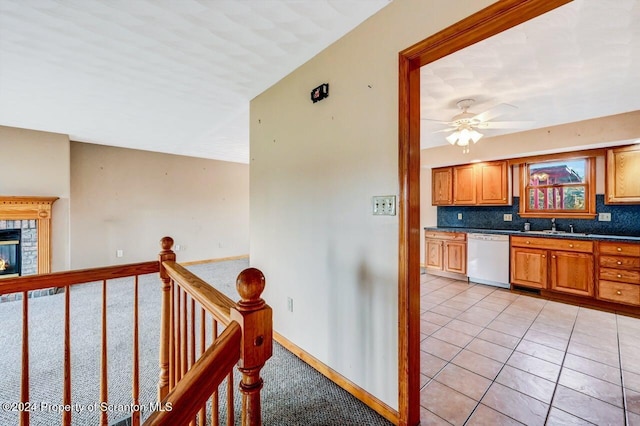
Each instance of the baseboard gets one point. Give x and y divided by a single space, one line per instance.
365 397
220 259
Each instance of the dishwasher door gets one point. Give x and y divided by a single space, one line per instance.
488 259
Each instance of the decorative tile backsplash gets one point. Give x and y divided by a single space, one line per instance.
625 219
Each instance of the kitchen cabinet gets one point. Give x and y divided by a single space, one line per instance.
442 186
622 178
560 265
446 253
493 183
472 184
464 185
619 272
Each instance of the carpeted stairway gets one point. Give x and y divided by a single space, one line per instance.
293 393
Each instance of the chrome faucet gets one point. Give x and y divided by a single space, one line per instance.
553 224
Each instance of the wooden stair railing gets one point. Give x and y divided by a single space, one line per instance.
181 291
183 383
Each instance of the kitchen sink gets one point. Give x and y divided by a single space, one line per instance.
550 232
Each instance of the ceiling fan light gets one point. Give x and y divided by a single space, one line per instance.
475 135
453 137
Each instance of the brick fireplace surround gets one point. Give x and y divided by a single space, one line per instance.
30 210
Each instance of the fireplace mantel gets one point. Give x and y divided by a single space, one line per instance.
29 208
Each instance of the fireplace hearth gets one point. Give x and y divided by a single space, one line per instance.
10 253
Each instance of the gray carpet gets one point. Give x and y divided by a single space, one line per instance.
293 393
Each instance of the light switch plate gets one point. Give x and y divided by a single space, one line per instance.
384 205
459 216
508 217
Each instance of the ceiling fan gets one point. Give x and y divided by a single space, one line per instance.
466 124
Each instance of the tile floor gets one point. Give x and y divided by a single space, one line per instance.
491 357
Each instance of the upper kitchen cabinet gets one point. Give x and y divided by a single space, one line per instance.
464 185
486 184
442 187
493 183
623 175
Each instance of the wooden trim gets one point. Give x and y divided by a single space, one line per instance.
583 153
492 20
371 401
32 208
219 259
80 276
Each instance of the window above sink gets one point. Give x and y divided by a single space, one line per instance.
558 186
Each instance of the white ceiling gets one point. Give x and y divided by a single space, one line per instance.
173 76
577 62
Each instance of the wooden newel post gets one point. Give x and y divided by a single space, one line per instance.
254 316
166 254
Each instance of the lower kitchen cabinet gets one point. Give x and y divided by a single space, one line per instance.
446 253
559 265
572 273
619 272
529 267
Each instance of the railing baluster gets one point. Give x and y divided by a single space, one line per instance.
104 390
172 338
215 406
135 387
230 413
24 385
178 336
66 392
203 411
184 342
192 338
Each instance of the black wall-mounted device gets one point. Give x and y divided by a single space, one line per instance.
320 92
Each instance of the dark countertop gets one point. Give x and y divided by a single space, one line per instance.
598 237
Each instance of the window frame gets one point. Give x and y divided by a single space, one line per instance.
589 184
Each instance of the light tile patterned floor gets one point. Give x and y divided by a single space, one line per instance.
491 357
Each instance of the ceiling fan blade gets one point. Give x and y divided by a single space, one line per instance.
436 121
494 112
503 124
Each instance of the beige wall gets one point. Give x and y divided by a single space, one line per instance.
37 163
314 169
605 131
124 199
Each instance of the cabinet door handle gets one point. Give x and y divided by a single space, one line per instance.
571 245
553 257
544 255
619 293
619 262
528 242
619 275
619 248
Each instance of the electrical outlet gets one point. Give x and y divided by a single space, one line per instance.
508 217
119 253
178 247
604 217
384 205
459 216
289 304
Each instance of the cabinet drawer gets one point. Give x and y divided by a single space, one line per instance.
619 292
625 249
620 262
631 277
456 236
553 244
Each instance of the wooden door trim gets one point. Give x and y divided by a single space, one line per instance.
487 22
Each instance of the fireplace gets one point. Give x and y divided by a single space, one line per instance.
10 253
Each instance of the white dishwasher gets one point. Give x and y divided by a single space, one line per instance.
488 259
